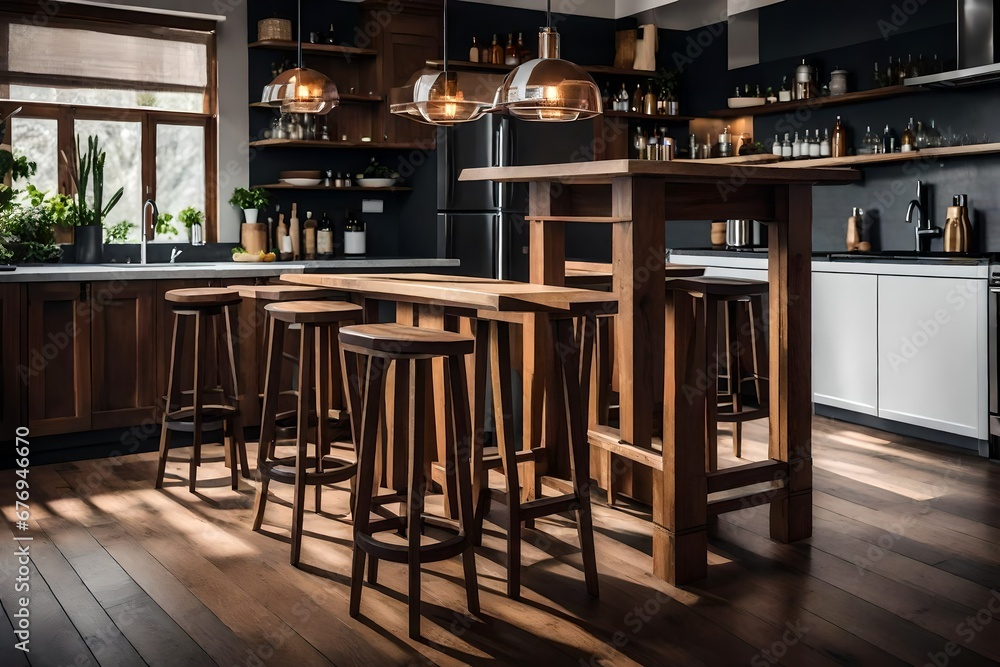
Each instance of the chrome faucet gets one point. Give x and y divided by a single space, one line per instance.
148 228
923 231
174 254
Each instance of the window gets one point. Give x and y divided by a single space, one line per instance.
145 89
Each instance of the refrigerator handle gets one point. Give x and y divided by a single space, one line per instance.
496 160
450 161
500 243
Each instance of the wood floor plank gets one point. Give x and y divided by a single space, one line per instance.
54 639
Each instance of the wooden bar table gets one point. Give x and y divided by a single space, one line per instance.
654 338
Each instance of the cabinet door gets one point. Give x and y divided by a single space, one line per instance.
123 353
408 41
932 349
845 341
13 368
58 351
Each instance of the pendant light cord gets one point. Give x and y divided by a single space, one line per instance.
300 34
548 13
445 36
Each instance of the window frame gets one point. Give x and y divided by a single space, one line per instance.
150 119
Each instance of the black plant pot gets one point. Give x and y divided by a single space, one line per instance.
89 244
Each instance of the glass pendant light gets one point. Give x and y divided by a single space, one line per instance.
301 90
549 89
441 97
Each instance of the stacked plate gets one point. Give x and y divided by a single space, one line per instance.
301 178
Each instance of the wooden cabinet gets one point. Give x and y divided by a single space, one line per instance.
14 367
406 42
59 384
932 353
123 353
845 341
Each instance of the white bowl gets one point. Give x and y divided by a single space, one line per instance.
376 182
744 102
302 182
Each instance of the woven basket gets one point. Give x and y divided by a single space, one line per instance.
274 29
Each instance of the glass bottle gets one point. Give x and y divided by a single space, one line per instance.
890 143
824 146
877 77
639 143
921 136
510 53
776 147
354 235
636 104
324 238
838 145
908 142
523 54
330 37
623 100
606 97
890 73
796 147
786 148
904 70
934 138
474 51
496 51
814 150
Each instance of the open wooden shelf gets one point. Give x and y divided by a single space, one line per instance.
324 49
344 98
319 143
818 102
353 188
489 67
884 158
655 118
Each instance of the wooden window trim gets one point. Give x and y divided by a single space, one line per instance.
35 12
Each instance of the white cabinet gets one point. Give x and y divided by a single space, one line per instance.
845 341
932 351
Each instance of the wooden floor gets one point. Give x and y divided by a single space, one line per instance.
905 558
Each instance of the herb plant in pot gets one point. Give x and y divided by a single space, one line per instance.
87 172
193 219
251 201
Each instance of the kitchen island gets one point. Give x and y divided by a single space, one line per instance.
656 351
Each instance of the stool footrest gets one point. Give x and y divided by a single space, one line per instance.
607 438
748 415
540 507
399 553
283 471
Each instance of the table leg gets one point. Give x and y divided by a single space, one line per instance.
680 491
790 276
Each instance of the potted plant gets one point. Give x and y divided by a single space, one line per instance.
27 234
251 201
193 219
87 171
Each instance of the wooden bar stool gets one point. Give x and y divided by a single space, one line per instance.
741 353
211 308
317 321
374 347
253 309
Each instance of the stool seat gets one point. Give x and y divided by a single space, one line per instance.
284 292
313 312
721 287
203 297
404 341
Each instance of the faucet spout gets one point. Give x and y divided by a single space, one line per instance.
148 227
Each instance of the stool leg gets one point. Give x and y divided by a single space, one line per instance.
711 310
351 377
233 347
735 371
500 374
227 370
200 350
600 405
367 443
417 486
322 404
272 387
480 477
568 356
758 330
463 454
173 392
306 345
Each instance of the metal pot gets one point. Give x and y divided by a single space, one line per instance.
739 233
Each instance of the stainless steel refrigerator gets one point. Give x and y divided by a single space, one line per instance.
481 223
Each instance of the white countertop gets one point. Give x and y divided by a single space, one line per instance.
927 269
84 272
